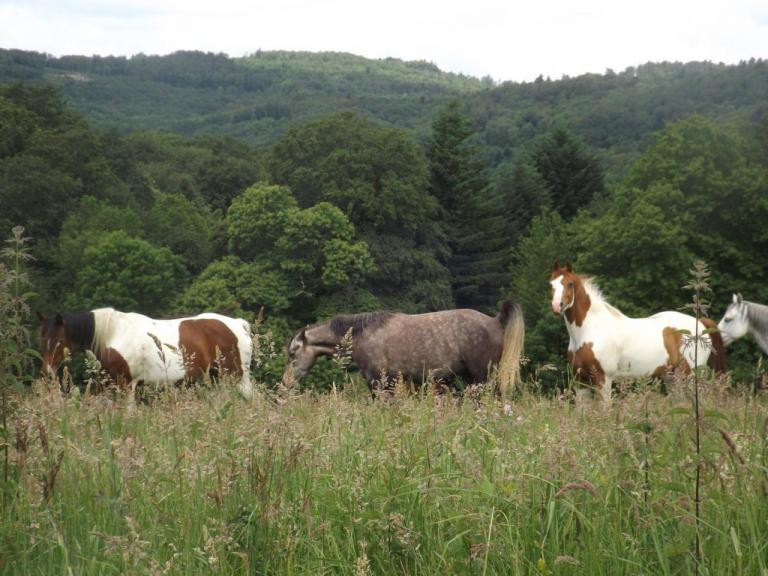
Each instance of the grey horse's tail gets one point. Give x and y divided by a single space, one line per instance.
510 314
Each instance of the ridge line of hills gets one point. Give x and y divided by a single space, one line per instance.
256 97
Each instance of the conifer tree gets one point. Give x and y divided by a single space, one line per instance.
572 175
472 210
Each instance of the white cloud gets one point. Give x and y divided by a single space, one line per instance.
507 39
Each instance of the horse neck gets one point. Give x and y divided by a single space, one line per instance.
321 334
757 317
79 329
589 309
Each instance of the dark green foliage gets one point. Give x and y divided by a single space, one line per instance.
378 177
127 273
571 174
308 254
210 170
257 219
638 249
616 113
256 97
35 194
231 286
524 194
84 227
175 222
472 209
546 338
695 193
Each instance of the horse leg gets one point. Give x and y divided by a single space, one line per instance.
245 386
583 393
605 390
131 401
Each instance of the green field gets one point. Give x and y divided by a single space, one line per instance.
200 482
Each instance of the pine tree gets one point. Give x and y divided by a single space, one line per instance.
525 195
472 209
573 176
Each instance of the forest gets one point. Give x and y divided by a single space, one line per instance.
369 185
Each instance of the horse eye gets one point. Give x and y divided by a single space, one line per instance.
727 320
570 284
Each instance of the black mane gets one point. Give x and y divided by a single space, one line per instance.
340 325
80 328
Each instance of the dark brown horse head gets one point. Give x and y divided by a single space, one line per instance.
53 342
59 334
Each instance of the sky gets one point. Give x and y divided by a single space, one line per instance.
504 39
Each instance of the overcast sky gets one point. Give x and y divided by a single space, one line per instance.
505 39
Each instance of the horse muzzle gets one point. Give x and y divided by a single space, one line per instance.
291 376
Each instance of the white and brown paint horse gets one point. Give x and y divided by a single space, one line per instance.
436 345
134 348
605 344
742 318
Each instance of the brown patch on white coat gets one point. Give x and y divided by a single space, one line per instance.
586 367
673 343
208 346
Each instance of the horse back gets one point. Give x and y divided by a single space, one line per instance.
463 341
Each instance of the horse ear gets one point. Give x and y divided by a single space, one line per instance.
737 298
740 298
555 265
568 267
303 336
59 320
40 316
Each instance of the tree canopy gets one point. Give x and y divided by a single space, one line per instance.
347 212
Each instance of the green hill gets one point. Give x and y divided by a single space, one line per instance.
254 98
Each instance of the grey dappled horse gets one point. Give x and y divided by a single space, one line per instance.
385 345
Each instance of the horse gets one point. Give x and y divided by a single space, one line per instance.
445 344
606 344
134 348
742 317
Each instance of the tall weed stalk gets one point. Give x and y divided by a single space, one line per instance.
15 354
699 307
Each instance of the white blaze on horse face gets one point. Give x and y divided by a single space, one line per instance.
557 294
734 324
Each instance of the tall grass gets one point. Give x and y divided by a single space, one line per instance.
201 482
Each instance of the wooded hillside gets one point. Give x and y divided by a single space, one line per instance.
378 184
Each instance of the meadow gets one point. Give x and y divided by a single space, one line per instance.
199 481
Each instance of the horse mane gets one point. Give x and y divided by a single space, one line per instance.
757 316
341 324
79 328
594 291
102 328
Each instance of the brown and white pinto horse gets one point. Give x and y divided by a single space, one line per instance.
606 344
133 348
444 344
